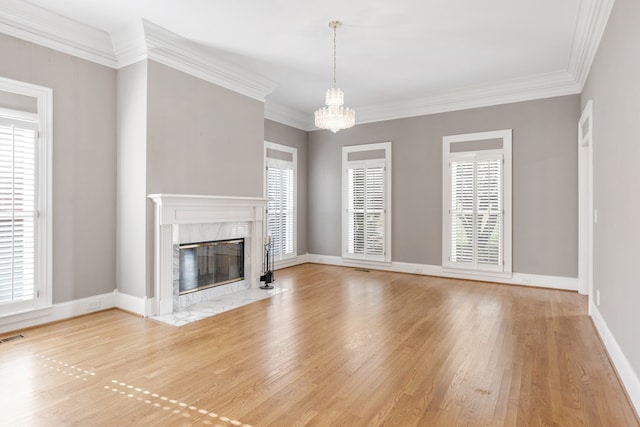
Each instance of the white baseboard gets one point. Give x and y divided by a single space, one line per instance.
300 259
57 312
137 305
625 371
537 280
66 310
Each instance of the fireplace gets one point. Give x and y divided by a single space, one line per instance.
181 220
205 265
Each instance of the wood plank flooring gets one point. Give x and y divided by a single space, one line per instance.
342 347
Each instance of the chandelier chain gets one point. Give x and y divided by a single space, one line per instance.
334 54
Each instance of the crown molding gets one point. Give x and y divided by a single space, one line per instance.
287 116
588 33
518 90
177 52
129 45
141 41
36 25
146 40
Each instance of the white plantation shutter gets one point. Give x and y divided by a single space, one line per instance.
477 198
280 192
280 209
488 219
461 212
476 210
375 211
365 211
17 209
356 210
274 219
366 198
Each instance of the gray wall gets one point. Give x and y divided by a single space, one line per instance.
614 87
292 137
84 163
544 176
14 101
201 139
131 178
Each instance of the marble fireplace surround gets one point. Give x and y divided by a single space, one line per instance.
173 210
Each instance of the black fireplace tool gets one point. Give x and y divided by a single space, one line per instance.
267 265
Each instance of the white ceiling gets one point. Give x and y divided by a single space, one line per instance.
393 54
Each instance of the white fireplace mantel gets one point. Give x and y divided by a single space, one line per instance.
171 210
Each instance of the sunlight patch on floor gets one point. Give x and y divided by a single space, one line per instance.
165 403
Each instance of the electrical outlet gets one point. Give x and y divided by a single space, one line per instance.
598 297
93 305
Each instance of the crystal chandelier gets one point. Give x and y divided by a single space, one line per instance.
335 116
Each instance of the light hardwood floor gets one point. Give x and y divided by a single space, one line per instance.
342 347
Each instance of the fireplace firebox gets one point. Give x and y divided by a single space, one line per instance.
204 265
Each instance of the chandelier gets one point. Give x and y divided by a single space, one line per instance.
335 116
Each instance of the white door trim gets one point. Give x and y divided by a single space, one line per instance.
585 202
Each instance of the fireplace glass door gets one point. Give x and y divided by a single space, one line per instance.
208 264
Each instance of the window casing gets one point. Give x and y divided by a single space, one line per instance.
25 200
477 202
366 199
280 190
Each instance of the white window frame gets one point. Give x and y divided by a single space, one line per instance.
283 164
43 287
384 259
487 271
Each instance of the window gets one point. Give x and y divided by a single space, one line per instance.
366 196
477 201
17 208
25 187
280 191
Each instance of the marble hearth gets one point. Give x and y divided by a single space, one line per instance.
183 219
